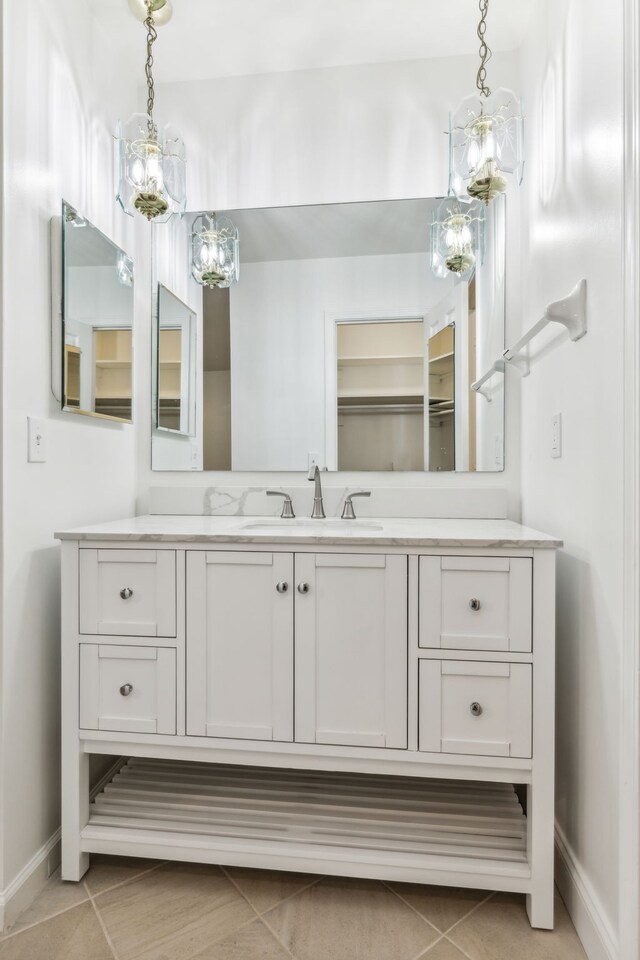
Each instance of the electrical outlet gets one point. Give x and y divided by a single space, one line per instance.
556 435
37 447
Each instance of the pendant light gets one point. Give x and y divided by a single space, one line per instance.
457 238
485 135
150 162
215 251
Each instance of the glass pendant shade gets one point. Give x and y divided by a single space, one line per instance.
150 172
457 235
215 251
485 145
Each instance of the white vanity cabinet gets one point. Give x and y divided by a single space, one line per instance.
344 616
376 702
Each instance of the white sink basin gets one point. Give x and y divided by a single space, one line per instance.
308 527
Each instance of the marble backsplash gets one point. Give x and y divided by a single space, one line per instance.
249 501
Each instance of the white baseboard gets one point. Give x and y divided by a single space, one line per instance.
24 887
589 919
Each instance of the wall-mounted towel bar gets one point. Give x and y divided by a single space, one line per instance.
570 312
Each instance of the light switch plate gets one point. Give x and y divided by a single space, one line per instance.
556 435
37 448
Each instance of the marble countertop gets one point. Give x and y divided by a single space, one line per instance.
370 531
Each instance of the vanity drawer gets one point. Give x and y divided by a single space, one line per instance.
476 603
127 689
477 708
128 593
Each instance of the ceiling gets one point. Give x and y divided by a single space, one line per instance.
334 230
207 39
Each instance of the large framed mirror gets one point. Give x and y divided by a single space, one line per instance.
92 332
340 345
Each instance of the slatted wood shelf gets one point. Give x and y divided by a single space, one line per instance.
304 820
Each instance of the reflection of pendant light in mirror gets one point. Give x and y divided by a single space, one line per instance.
485 135
124 270
457 238
150 162
215 251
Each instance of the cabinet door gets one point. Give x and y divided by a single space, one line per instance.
351 649
240 645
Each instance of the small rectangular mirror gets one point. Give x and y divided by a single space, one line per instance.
93 331
176 339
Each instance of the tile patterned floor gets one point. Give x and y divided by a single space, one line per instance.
128 909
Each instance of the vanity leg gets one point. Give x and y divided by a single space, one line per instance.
540 843
541 791
75 762
75 812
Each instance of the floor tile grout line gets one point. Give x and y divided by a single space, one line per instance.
88 896
261 913
277 937
51 916
467 915
424 953
417 912
291 896
212 943
458 947
123 883
103 925
200 948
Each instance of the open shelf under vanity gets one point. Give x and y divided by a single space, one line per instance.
347 824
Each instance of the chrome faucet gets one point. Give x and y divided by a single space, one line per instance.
318 507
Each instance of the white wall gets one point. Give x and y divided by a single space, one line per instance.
320 136
573 192
64 90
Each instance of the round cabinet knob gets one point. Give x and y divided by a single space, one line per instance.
282 587
475 709
126 689
303 588
126 593
474 604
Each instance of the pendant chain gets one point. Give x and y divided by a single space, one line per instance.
485 52
152 36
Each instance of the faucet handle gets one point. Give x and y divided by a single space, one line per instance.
287 506
348 513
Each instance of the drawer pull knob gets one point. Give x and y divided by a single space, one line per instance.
126 689
474 604
126 593
282 587
475 709
303 588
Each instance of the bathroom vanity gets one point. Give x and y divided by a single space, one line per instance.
362 698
